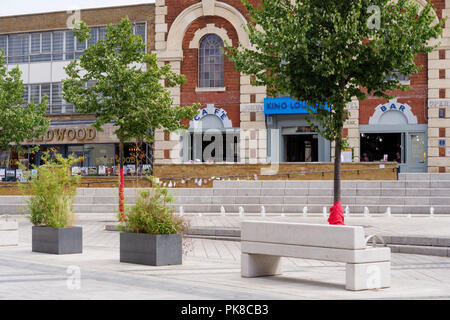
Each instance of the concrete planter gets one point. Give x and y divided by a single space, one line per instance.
57 240
9 233
151 249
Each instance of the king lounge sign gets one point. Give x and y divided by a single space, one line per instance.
64 135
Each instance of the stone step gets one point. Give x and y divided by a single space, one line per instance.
424 176
421 250
306 184
283 204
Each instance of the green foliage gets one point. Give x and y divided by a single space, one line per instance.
124 85
52 191
328 51
151 214
18 123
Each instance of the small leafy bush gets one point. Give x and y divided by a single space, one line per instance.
52 191
151 214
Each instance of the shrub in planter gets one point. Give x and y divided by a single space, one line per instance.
50 206
151 233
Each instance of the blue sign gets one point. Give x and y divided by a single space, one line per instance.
285 105
441 143
393 106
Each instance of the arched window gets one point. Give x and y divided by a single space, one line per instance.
211 62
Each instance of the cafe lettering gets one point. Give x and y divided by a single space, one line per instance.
67 135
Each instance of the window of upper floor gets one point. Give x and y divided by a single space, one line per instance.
52 45
211 62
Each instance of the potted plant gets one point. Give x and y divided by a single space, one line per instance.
151 233
50 206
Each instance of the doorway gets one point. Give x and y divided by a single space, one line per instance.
301 148
382 147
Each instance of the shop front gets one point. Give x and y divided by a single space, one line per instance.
393 134
211 137
99 152
290 137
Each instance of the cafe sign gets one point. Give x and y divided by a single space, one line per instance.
54 135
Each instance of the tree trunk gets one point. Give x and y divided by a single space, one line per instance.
122 184
337 166
151 152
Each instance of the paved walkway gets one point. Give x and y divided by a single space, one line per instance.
211 269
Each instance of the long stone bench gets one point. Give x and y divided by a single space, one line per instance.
264 243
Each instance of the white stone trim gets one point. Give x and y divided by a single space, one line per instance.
214 89
209 29
409 115
438 103
208 7
210 109
192 13
252 107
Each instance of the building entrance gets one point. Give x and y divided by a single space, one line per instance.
301 148
382 147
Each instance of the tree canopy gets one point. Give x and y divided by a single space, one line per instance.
19 121
120 83
328 52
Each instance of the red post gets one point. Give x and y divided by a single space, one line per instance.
121 196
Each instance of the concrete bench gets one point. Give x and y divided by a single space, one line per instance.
264 243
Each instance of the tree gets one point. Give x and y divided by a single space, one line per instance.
325 52
18 121
119 83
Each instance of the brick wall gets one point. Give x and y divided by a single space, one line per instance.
229 100
416 97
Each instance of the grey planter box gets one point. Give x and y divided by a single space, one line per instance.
151 249
57 240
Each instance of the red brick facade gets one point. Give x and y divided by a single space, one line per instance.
229 100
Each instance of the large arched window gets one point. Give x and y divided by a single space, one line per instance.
211 62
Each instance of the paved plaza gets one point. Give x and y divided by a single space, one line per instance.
211 268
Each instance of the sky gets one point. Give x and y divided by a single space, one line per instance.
19 7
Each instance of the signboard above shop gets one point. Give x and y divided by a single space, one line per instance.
285 105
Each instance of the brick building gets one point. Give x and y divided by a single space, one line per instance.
239 119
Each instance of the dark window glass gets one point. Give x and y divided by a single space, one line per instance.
70 45
3 42
211 62
18 48
93 39
58 45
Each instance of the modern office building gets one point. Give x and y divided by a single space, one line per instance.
413 129
41 45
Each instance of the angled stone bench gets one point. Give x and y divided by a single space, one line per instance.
264 243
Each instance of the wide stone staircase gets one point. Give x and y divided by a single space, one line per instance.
415 194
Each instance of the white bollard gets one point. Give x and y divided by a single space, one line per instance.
347 211
181 211
431 212
241 211
366 212
324 212
388 212
263 211
282 212
222 211
305 211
